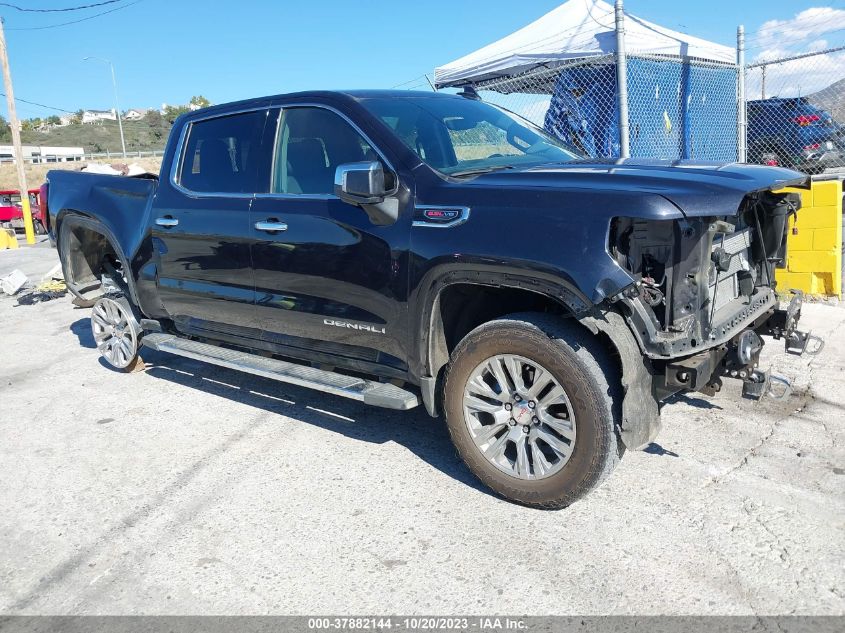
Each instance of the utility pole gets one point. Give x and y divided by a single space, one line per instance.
16 138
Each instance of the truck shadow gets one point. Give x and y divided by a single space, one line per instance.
425 437
82 329
692 401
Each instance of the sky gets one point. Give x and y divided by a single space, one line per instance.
165 51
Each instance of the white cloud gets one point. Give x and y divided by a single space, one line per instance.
778 39
796 78
806 25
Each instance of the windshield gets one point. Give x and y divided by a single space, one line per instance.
463 136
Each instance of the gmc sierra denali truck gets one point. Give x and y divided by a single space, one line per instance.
404 248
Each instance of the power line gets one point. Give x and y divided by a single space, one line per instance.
405 83
40 105
90 17
84 6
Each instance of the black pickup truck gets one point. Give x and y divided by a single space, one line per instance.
401 248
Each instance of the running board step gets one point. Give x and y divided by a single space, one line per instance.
368 391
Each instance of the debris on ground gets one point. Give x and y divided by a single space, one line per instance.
44 291
54 274
13 282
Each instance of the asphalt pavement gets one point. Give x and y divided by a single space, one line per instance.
188 489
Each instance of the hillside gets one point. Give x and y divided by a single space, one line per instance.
150 133
831 99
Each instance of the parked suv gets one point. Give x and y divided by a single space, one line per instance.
403 248
794 133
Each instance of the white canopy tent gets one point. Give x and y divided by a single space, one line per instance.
575 30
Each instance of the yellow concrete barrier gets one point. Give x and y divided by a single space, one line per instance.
8 239
814 242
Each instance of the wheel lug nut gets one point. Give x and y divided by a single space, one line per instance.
525 429
512 422
535 420
531 404
508 406
517 398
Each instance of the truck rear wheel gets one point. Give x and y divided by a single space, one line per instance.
116 332
532 404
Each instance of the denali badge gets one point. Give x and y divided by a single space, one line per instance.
356 326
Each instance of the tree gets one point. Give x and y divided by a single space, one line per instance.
54 120
158 126
199 101
76 119
171 112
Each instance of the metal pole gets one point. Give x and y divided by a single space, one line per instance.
763 82
116 102
622 82
741 124
16 139
117 110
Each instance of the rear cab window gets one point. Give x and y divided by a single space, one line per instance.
227 154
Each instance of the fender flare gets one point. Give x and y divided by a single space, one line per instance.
430 341
69 219
640 422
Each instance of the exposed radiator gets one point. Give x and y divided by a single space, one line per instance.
725 287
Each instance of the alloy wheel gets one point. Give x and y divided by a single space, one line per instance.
115 332
519 416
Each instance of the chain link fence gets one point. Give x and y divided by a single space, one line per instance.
785 106
676 109
796 110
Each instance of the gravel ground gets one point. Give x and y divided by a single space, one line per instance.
193 489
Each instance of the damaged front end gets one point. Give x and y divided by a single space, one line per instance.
705 294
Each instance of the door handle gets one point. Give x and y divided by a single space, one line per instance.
271 226
167 221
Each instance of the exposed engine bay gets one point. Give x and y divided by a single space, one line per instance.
705 290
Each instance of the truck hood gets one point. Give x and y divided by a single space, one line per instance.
696 188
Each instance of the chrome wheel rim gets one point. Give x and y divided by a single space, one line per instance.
114 333
519 417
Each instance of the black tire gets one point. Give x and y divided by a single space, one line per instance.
39 228
582 366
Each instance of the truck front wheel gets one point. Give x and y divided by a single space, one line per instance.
532 404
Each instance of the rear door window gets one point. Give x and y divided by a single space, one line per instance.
227 155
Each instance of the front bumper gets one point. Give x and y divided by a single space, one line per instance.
740 357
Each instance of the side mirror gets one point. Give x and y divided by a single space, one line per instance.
360 183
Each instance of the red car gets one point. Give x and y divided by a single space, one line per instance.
11 210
